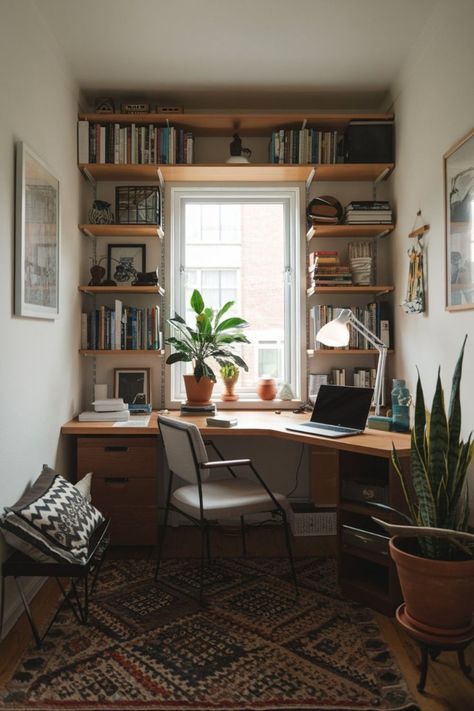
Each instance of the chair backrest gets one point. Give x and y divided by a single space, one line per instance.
184 447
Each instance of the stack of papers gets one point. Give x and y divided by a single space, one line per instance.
108 410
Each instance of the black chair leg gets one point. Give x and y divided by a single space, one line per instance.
244 541
290 552
208 543
161 538
201 562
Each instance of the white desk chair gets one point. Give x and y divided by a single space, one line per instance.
204 502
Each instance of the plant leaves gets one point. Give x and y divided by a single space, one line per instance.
233 322
177 356
454 413
197 303
438 438
222 311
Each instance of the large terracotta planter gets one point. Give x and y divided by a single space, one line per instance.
438 594
198 392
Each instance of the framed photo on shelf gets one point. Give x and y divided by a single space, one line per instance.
459 197
133 385
124 262
36 238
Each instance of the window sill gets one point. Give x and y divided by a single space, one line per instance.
247 404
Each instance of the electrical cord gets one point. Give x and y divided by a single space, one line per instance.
297 473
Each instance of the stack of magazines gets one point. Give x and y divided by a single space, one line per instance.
368 212
107 410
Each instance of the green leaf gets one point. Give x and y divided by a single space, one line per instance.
222 311
438 437
419 425
454 413
177 357
233 322
197 303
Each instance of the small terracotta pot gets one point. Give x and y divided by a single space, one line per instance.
198 392
438 594
97 274
266 389
229 385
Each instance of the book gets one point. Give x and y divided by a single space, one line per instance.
221 421
110 405
93 416
83 141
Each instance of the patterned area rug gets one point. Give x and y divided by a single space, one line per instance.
150 646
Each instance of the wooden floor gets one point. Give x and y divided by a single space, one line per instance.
446 688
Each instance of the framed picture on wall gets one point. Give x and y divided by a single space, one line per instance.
133 385
36 238
459 211
124 262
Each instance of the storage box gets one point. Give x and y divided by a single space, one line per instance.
358 490
369 142
137 205
307 520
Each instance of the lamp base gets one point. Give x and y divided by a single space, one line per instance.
237 159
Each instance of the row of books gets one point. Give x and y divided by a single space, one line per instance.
306 145
375 317
368 212
325 269
121 328
361 377
133 144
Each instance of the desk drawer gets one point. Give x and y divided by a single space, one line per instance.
117 457
123 491
133 525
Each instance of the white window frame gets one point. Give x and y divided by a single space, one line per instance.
292 198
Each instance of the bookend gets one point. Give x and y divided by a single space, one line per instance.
19 565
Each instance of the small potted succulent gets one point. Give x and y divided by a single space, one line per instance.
229 374
213 337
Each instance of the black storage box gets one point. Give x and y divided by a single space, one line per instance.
369 142
356 490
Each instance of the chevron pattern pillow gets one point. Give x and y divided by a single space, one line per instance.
52 520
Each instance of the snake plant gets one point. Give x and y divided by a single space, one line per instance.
213 337
435 489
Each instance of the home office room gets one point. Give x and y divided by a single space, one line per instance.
237 314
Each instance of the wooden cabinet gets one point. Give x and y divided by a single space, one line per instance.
366 571
126 472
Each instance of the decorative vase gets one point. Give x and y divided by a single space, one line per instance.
198 392
229 385
97 274
438 594
100 213
266 388
401 400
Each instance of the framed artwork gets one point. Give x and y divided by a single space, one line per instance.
124 262
133 385
459 211
36 237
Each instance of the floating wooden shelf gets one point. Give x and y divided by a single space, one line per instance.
375 289
135 351
344 351
122 290
137 231
237 172
247 124
320 231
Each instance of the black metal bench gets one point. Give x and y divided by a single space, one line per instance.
19 565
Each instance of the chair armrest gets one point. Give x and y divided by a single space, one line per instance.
226 463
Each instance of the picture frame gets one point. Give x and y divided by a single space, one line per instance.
133 385
124 262
37 237
459 219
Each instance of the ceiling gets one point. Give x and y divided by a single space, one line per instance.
199 54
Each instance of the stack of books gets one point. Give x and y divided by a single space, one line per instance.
325 269
367 212
107 410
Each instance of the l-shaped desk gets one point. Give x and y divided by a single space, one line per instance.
126 461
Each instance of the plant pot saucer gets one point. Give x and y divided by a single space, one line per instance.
432 635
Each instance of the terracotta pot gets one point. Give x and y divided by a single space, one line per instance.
229 384
438 594
198 392
266 389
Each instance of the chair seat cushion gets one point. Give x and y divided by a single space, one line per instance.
226 498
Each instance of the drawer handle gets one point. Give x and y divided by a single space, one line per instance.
115 448
116 479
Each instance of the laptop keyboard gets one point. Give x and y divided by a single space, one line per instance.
329 428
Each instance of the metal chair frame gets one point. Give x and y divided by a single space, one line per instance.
19 565
205 524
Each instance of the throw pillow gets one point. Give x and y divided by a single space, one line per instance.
52 521
84 486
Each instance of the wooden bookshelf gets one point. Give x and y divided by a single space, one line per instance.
335 231
372 289
114 230
345 351
122 290
107 352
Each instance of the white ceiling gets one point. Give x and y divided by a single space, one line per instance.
246 53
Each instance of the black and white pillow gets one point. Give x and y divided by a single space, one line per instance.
52 521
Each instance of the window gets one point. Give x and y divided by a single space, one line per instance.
240 244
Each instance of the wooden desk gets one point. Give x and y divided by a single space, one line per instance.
126 461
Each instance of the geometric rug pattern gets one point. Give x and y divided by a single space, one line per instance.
253 646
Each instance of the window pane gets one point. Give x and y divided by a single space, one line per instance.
193 222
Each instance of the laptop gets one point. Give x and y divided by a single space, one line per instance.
339 411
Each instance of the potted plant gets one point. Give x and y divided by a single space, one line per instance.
434 553
229 374
213 337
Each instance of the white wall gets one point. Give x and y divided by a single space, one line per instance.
434 107
40 373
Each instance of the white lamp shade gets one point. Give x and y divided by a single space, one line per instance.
336 332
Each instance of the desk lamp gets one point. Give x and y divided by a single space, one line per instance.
336 334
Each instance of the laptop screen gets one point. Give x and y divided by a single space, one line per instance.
342 405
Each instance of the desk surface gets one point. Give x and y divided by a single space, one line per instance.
257 423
